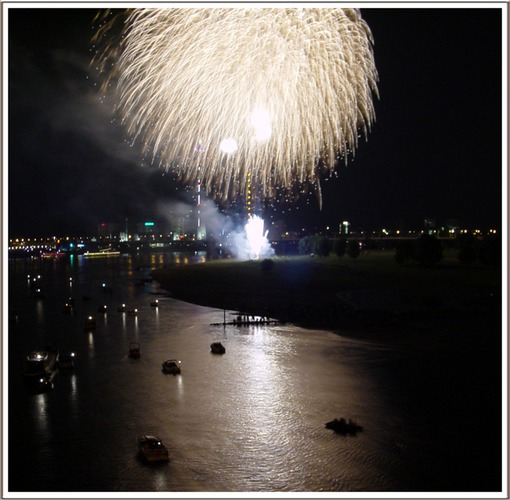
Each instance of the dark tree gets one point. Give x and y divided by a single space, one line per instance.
340 247
267 266
428 250
305 245
353 250
467 250
404 251
321 246
490 250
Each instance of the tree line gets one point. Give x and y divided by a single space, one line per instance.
426 250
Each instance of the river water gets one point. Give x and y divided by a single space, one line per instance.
251 420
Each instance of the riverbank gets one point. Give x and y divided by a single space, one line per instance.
372 294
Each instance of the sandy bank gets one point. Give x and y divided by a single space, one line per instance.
373 295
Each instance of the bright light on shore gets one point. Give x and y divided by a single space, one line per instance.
257 239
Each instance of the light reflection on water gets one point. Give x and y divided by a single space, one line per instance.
249 420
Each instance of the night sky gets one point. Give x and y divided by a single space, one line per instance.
433 152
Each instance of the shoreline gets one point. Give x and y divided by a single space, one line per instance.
373 302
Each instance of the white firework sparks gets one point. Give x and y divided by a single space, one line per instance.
267 93
256 237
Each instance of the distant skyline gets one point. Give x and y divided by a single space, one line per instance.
434 151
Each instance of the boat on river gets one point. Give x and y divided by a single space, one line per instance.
172 366
90 323
134 350
53 255
104 252
245 319
40 366
218 348
66 361
41 362
152 448
342 426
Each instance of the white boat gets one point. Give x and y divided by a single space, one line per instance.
105 252
152 448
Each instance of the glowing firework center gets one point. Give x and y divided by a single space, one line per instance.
268 91
261 123
256 238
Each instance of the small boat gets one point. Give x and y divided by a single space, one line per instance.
53 255
41 364
133 312
121 308
155 303
134 350
105 252
152 448
90 323
67 308
342 426
41 385
218 348
102 309
66 361
172 366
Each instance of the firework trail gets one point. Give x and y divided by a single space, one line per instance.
265 94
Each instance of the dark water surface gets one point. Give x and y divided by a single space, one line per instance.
251 420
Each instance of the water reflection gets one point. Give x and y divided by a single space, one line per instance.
74 391
251 420
40 311
41 414
90 341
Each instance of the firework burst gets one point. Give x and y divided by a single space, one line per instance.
242 95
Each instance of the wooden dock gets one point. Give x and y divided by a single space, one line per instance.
248 320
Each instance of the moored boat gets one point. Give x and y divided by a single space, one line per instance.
342 426
66 361
172 366
134 350
90 323
105 252
218 348
40 364
152 448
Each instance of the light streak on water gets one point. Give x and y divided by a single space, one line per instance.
265 92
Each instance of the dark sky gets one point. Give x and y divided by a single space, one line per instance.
434 150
